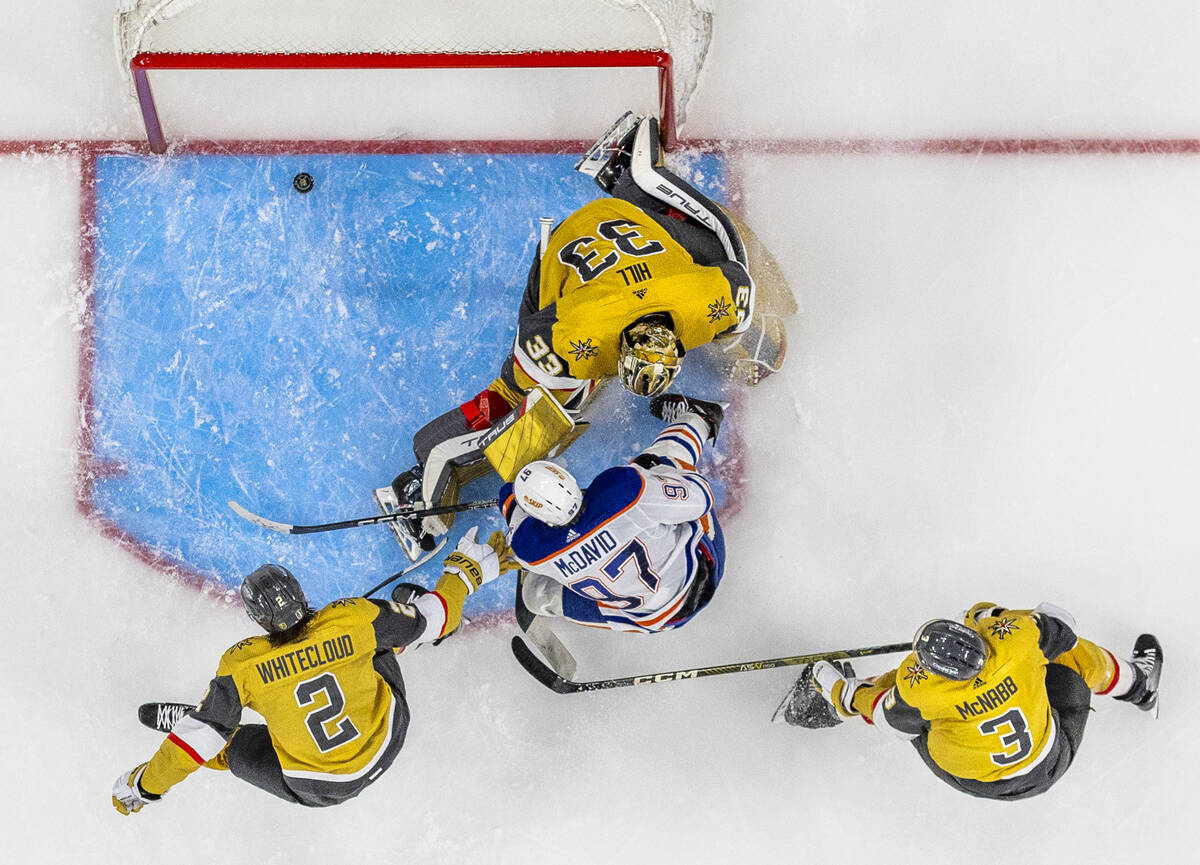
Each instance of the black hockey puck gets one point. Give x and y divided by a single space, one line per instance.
303 182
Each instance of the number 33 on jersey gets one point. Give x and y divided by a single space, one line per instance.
607 265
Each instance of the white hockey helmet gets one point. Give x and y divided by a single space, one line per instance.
650 356
548 492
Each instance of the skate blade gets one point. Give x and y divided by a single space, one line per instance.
598 154
385 497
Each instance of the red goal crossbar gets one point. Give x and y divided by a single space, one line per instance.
142 64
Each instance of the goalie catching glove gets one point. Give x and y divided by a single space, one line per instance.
128 796
836 683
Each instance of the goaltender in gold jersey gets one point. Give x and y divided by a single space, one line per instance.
624 287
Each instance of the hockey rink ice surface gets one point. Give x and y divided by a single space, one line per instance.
280 349
989 215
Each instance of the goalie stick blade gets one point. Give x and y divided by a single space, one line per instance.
161 717
598 154
261 522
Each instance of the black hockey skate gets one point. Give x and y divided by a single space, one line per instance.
670 406
608 158
405 490
162 717
1148 658
803 705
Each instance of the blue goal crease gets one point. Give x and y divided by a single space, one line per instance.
280 349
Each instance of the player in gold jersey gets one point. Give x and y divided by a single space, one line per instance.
326 682
624 287
996 705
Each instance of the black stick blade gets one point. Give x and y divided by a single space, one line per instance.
533 666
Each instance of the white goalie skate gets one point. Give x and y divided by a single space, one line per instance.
417 547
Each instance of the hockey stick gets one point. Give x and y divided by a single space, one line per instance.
289 529
537 629
429 555
559 685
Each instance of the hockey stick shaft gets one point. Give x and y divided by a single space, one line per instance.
289 529
534 666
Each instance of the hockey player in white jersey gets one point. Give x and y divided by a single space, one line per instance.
638 550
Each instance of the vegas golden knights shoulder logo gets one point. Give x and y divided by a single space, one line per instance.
583 348
1003 627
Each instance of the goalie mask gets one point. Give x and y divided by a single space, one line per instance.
650 357
950 649
548 493
273 599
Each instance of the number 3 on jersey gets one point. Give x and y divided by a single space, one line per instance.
540 353
579 255
1014 731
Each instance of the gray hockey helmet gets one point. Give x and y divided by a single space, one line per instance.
950 649
273 598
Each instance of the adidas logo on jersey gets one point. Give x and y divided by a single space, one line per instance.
572 534
640 293
978 683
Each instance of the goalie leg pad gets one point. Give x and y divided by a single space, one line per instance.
532 431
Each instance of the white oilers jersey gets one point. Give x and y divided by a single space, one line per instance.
633 547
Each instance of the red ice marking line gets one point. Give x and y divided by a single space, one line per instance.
88 469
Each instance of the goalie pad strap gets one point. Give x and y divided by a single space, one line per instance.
485 408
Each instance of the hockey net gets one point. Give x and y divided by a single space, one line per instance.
668 37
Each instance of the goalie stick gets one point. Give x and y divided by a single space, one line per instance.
289 529
560 685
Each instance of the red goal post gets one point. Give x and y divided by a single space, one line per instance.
669 36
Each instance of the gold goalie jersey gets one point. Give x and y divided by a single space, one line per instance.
333 700
605 266
997 725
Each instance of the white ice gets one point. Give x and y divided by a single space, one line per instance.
991 394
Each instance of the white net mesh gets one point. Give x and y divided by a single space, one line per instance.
682 28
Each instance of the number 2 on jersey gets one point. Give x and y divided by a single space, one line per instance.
319 719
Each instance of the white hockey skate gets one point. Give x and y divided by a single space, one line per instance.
415 541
